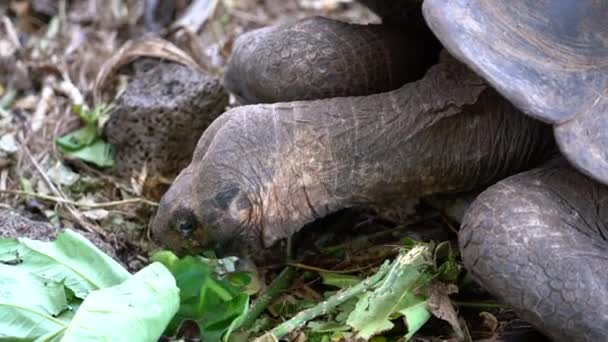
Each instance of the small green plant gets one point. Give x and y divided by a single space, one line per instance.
85 143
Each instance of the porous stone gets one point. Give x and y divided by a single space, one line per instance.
158 119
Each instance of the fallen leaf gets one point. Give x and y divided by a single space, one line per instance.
440 305
96 214
489 321
61 175
8 143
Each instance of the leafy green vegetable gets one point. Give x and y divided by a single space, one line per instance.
216 305
11 251
85 143
137 310
29 304
73 260
43 284
395 294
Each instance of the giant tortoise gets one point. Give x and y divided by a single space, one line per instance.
518 102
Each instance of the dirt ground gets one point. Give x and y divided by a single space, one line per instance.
54 54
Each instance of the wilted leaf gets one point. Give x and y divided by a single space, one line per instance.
489 321
8 143
441 306
7 97
448 268
62 175
91 116
96 214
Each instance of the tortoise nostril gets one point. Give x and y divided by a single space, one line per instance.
184 222
185 228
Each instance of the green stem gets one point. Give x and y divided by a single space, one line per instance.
224 294
276 288
324 307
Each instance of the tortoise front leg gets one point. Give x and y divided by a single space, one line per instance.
539 242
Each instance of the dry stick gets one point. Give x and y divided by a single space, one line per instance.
11 33
255 19
447 222
77 204
75 214
324 307
43 104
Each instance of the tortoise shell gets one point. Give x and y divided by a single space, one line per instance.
549 58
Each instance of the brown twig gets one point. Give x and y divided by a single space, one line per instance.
447 222
77 204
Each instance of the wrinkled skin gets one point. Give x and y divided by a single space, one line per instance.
536 240
262 172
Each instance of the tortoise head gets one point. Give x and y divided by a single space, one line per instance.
220 201
193 217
